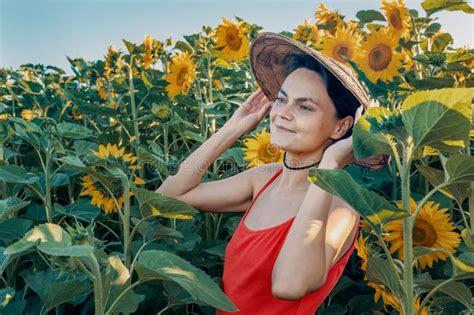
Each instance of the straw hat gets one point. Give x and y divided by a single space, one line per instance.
269 54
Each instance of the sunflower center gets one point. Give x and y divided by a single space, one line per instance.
423 234
380 57
342 50
181 77
396 20
233 39
269 153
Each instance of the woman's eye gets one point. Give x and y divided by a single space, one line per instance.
279 99
306 108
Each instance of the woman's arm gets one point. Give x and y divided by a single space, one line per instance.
196 164
191 170
307 253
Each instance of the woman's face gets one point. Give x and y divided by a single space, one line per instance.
304 107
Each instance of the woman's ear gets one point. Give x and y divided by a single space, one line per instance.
342 127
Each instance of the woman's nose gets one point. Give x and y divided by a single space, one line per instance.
286 111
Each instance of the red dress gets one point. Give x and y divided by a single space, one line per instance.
249 259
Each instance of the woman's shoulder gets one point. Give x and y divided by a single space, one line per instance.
263 172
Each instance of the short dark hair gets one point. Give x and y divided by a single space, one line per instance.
345 102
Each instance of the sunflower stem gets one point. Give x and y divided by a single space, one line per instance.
98 298
126 222
47 171
134 111
408 224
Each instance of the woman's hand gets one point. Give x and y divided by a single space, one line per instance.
341 153
251 112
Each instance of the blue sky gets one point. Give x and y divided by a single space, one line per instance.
45 31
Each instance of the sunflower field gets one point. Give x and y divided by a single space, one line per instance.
83 230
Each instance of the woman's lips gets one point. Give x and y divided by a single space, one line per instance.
284 129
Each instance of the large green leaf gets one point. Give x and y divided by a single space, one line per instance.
153 203
10 206
119 280
82 209
51 239
14 229
458 191
432 6
366 143
16 174
162 265
379 271
439 118
155 230
460 169
73 131
455 289
458 173
373 207
55 289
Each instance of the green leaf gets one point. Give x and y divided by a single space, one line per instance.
456 191
367 16
130 46
9 206
16 174
51 239
455 289
14 229
153 203
419 251
55 289
73 131
59 179
432 6
155 231
119 281
366 143
162 265
439 118
373 207
82 209
460 168
380 271
433 83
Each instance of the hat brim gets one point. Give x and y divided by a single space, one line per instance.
269 63
268 60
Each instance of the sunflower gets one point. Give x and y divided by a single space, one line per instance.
417 302
381 291
75 114
362 249
328 18
100 84
162 112
182 72
378 58
28 114
152 51
432 229
354 27
343 43
217 84
113 61
4 116
307 32
100 196
233 38
260 150
397 16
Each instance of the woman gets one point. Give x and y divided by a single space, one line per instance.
294 240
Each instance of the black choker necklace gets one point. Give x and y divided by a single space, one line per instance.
297 168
